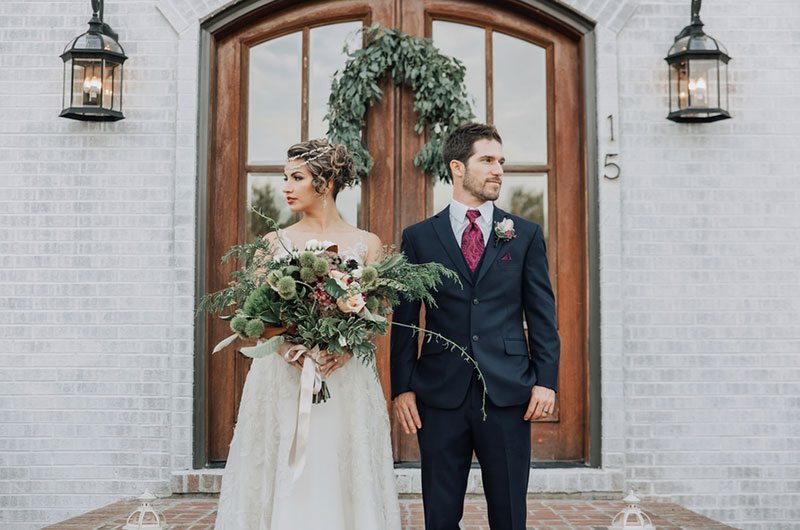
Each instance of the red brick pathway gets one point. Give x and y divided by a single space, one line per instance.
197 512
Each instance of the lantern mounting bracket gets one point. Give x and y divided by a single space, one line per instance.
96 25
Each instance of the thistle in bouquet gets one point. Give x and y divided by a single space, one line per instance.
313 299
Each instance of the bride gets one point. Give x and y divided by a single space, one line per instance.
348 479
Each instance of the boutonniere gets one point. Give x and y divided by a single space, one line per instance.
504 230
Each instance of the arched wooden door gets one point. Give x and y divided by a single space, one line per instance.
523 70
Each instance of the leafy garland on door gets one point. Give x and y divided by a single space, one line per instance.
440 96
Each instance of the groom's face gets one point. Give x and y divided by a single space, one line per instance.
483 174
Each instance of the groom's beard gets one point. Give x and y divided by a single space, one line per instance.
480 190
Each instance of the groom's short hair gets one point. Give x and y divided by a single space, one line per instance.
460 143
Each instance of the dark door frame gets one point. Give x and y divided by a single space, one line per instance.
218 24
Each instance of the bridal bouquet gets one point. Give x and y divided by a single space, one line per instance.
314 299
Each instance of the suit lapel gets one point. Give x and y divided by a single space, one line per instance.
444 231
490 255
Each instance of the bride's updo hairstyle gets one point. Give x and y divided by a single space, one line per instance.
325 161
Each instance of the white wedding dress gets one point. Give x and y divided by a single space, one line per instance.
348 480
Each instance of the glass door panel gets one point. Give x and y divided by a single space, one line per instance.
525 195
518 108
348 203
281 71
522 194
520 98
326 57
264 193
468 45
274 107
327 45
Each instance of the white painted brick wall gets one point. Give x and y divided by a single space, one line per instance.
96 274
699 265
711 270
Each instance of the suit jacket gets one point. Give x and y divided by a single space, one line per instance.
485 317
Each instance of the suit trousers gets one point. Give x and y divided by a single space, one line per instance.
502 444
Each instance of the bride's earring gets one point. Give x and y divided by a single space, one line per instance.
325 202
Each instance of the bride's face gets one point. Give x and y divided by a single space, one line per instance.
298 187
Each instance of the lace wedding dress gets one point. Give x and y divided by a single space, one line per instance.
348 479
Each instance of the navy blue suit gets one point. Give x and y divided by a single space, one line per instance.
485 316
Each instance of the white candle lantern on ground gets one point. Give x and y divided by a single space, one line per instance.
632 517
145 517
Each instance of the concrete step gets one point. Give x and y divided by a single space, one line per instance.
583 483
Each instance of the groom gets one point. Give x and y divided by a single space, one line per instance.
437 395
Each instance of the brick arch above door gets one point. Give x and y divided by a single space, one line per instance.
185 14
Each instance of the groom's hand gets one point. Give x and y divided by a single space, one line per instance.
405 409
542 403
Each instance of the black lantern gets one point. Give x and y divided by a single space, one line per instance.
93 73
698 75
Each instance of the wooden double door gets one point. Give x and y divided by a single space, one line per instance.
271 78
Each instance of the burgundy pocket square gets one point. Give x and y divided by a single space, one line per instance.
506 257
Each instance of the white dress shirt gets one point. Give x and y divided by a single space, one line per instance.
460 222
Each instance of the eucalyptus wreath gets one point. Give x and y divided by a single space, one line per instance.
440 96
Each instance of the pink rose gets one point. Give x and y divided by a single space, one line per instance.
342 279
352 304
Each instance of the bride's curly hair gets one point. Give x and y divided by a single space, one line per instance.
326 161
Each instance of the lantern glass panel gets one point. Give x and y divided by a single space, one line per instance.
702 43
680 45
67 87
681 92
723 84
87 82
95 41
671 86
118 88
110 80
703 83
89 41
110 45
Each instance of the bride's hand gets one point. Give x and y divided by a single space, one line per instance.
330 362
297 364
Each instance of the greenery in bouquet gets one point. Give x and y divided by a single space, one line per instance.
316 298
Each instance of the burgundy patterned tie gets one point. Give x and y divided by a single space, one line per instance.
472 245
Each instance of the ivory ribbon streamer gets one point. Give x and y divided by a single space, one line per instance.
310 384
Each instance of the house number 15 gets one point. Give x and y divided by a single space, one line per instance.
612 170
